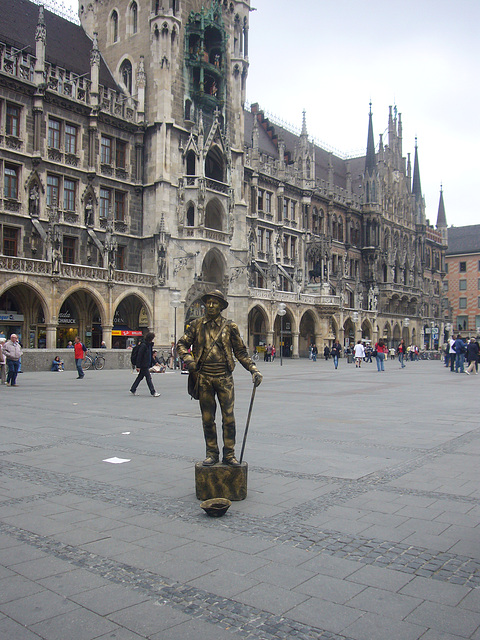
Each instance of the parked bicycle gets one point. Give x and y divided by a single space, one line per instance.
93 361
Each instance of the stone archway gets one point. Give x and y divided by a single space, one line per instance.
348 333
80 314
132 318
24 311
284 328
258 329
396 336
307 334
366 330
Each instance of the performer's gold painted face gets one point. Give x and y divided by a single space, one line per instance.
213 307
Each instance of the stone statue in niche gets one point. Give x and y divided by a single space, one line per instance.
89 213
34 201
161 264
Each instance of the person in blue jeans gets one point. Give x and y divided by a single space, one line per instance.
336 352
13 353
460 350
402 351
382 351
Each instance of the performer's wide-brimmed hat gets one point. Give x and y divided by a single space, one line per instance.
216 294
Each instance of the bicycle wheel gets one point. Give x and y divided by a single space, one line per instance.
87 363
99 363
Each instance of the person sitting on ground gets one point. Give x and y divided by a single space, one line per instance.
157 366
57 364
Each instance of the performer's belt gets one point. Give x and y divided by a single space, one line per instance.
215 368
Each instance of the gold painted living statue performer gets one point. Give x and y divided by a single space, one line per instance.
215 341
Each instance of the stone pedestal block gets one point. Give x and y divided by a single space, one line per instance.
221 481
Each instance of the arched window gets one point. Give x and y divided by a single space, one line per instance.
214 164
214 215
114 25
134 16
126 75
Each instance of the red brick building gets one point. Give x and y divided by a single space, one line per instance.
462 282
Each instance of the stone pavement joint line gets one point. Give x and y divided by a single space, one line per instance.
443 566
196 602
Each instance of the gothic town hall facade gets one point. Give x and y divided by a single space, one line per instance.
135 180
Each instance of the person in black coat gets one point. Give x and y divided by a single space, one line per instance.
143 362
472 356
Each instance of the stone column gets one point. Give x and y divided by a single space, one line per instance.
107 334
295 337
51 336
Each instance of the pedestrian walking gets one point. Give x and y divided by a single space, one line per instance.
79 353
451 353
402 351
143 363
326 352
336 352
460 351
359 352
473 351
13 353
314 352
381 351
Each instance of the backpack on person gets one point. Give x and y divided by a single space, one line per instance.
134 355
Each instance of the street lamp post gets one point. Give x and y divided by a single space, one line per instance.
175 302
281 312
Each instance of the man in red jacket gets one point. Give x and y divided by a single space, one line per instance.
79 354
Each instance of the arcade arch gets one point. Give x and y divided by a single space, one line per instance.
348 333
81 314
307 334
24 311
283 332
132 318
258 327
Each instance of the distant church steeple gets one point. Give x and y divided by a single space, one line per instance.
442 218
370 164
419 203
370 160
416 187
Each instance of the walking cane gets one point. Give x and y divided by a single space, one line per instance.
248 422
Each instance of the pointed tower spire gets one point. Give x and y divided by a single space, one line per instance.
416 187
370 160
441 217
304 124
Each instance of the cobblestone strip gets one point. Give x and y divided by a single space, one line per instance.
419 561
224 612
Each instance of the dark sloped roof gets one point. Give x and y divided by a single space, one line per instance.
463 240
322 157
67 44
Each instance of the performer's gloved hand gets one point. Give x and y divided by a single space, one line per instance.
257 378
192 366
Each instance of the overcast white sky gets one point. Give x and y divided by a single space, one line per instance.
332 57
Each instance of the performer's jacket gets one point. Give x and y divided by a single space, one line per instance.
229 340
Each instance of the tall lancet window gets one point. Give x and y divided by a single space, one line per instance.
134 16
114 25
126 75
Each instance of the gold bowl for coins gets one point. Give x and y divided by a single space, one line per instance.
216 507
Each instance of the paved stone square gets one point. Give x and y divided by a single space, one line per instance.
361 521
